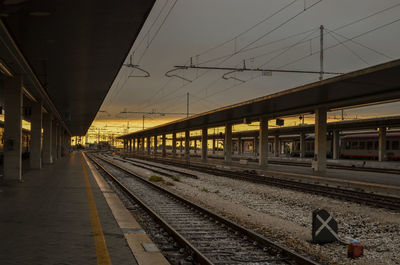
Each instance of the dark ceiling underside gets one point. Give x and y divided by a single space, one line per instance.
76 48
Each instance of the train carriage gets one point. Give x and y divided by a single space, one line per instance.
365 146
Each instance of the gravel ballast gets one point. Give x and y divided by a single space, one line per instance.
285 216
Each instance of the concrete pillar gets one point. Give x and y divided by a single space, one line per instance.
59 133
13 128
336 149
62 139
35 158
319 162
54 140
187 144
155 145
47 139
133 145
263 142
254 146
277 149
164 145
68 142
228 143
148 145
181 147
382 144
302 145
136 145
174 145
240 146
195 146
142 149
213 145
204 147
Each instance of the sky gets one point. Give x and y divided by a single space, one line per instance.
270 34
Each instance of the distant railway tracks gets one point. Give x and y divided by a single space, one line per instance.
206 237
367 198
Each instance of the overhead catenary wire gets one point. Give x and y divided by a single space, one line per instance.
247 30
347 47
338 28
270 31
302 58
356 21
149 44
257 47
137 46
362 45
259 38
347 40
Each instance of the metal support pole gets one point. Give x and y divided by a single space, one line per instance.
148 145
382 144
277 149
164 143
187 104
263 142
302 145
204 145
155 145
321 53
174 144
187 144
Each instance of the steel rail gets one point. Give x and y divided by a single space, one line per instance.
371 199
257 239
198 256
142 165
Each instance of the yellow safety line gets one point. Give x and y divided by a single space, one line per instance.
103 257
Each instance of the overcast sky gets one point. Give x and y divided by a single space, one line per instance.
194 26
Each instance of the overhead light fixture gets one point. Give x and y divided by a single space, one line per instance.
39 13
4 69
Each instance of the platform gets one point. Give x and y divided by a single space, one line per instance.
50 218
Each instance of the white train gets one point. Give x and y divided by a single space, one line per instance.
365 146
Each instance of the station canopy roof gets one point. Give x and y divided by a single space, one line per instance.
75 48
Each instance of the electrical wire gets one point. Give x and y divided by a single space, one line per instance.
247 30
148 45
140 43
327 48
263 36
347 40
256 47
241 50
151 27
362 45
348 48
305 39
341 27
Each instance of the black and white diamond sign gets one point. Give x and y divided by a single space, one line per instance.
324 227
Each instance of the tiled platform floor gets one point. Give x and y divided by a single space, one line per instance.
45 219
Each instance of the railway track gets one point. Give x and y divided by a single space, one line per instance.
158 169
208 238
367 198
330 166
